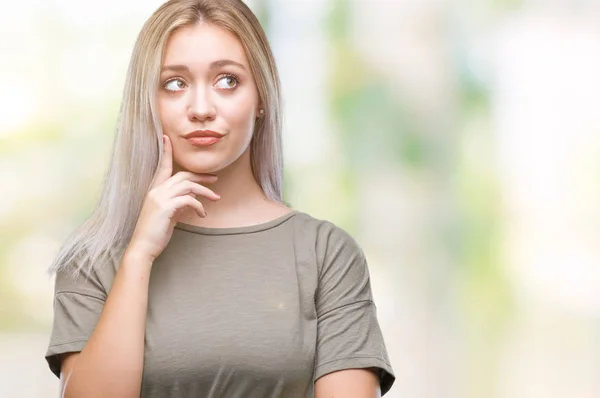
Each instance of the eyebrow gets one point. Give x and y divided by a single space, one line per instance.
213 65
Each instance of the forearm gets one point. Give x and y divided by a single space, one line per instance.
111 363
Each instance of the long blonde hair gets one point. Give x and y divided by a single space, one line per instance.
137 147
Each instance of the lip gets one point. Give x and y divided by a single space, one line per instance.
203 137
203 133
203 141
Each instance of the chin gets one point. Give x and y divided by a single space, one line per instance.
211 162
198 167
207 166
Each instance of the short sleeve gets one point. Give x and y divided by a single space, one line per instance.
348 332
77 305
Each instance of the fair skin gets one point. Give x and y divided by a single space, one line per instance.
206 186
206 84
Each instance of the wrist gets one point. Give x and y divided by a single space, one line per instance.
136 255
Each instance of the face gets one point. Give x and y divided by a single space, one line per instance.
206 87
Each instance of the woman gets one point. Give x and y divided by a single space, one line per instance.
192 278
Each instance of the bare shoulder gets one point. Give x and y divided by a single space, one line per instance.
276 209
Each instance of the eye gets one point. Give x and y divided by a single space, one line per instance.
174 85
228 82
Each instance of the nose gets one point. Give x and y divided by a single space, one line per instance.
200 105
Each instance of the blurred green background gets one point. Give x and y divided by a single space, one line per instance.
456 140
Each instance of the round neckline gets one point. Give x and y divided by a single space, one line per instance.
236 230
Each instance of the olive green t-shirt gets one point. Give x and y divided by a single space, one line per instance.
255 311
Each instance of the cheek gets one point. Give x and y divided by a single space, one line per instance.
240 115
168 113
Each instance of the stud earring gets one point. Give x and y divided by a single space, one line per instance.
261 111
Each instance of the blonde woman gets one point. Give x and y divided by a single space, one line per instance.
192 278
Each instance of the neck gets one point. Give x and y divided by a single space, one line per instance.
242 199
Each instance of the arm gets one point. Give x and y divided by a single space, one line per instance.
348 383
111 363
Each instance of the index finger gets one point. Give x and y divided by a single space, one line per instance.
165 168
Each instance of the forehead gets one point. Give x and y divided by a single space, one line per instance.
202 43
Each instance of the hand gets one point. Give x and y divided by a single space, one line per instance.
167 197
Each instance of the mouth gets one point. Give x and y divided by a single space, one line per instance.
203 141
203 137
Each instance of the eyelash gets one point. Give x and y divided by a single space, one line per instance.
231 75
